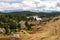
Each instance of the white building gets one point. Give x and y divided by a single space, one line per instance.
37 18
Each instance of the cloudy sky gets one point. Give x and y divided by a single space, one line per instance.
30 5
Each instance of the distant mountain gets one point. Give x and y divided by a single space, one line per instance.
48 11
9 11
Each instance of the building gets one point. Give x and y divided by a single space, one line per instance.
35 17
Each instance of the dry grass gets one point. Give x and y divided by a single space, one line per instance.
51 31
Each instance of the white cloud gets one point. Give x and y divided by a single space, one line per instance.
10 0
35 5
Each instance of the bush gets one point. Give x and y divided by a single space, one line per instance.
28 26
5 25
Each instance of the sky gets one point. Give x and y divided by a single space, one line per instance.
30 5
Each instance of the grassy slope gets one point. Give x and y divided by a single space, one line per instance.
51 31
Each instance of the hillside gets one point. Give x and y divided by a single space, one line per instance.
28 13
51 31
13 21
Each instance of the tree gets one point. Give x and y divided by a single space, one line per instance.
5 25
13 25
19 26
28 26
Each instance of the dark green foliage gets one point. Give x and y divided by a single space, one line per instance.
19 26
31 18
13 25
5 25
7 30
28 26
